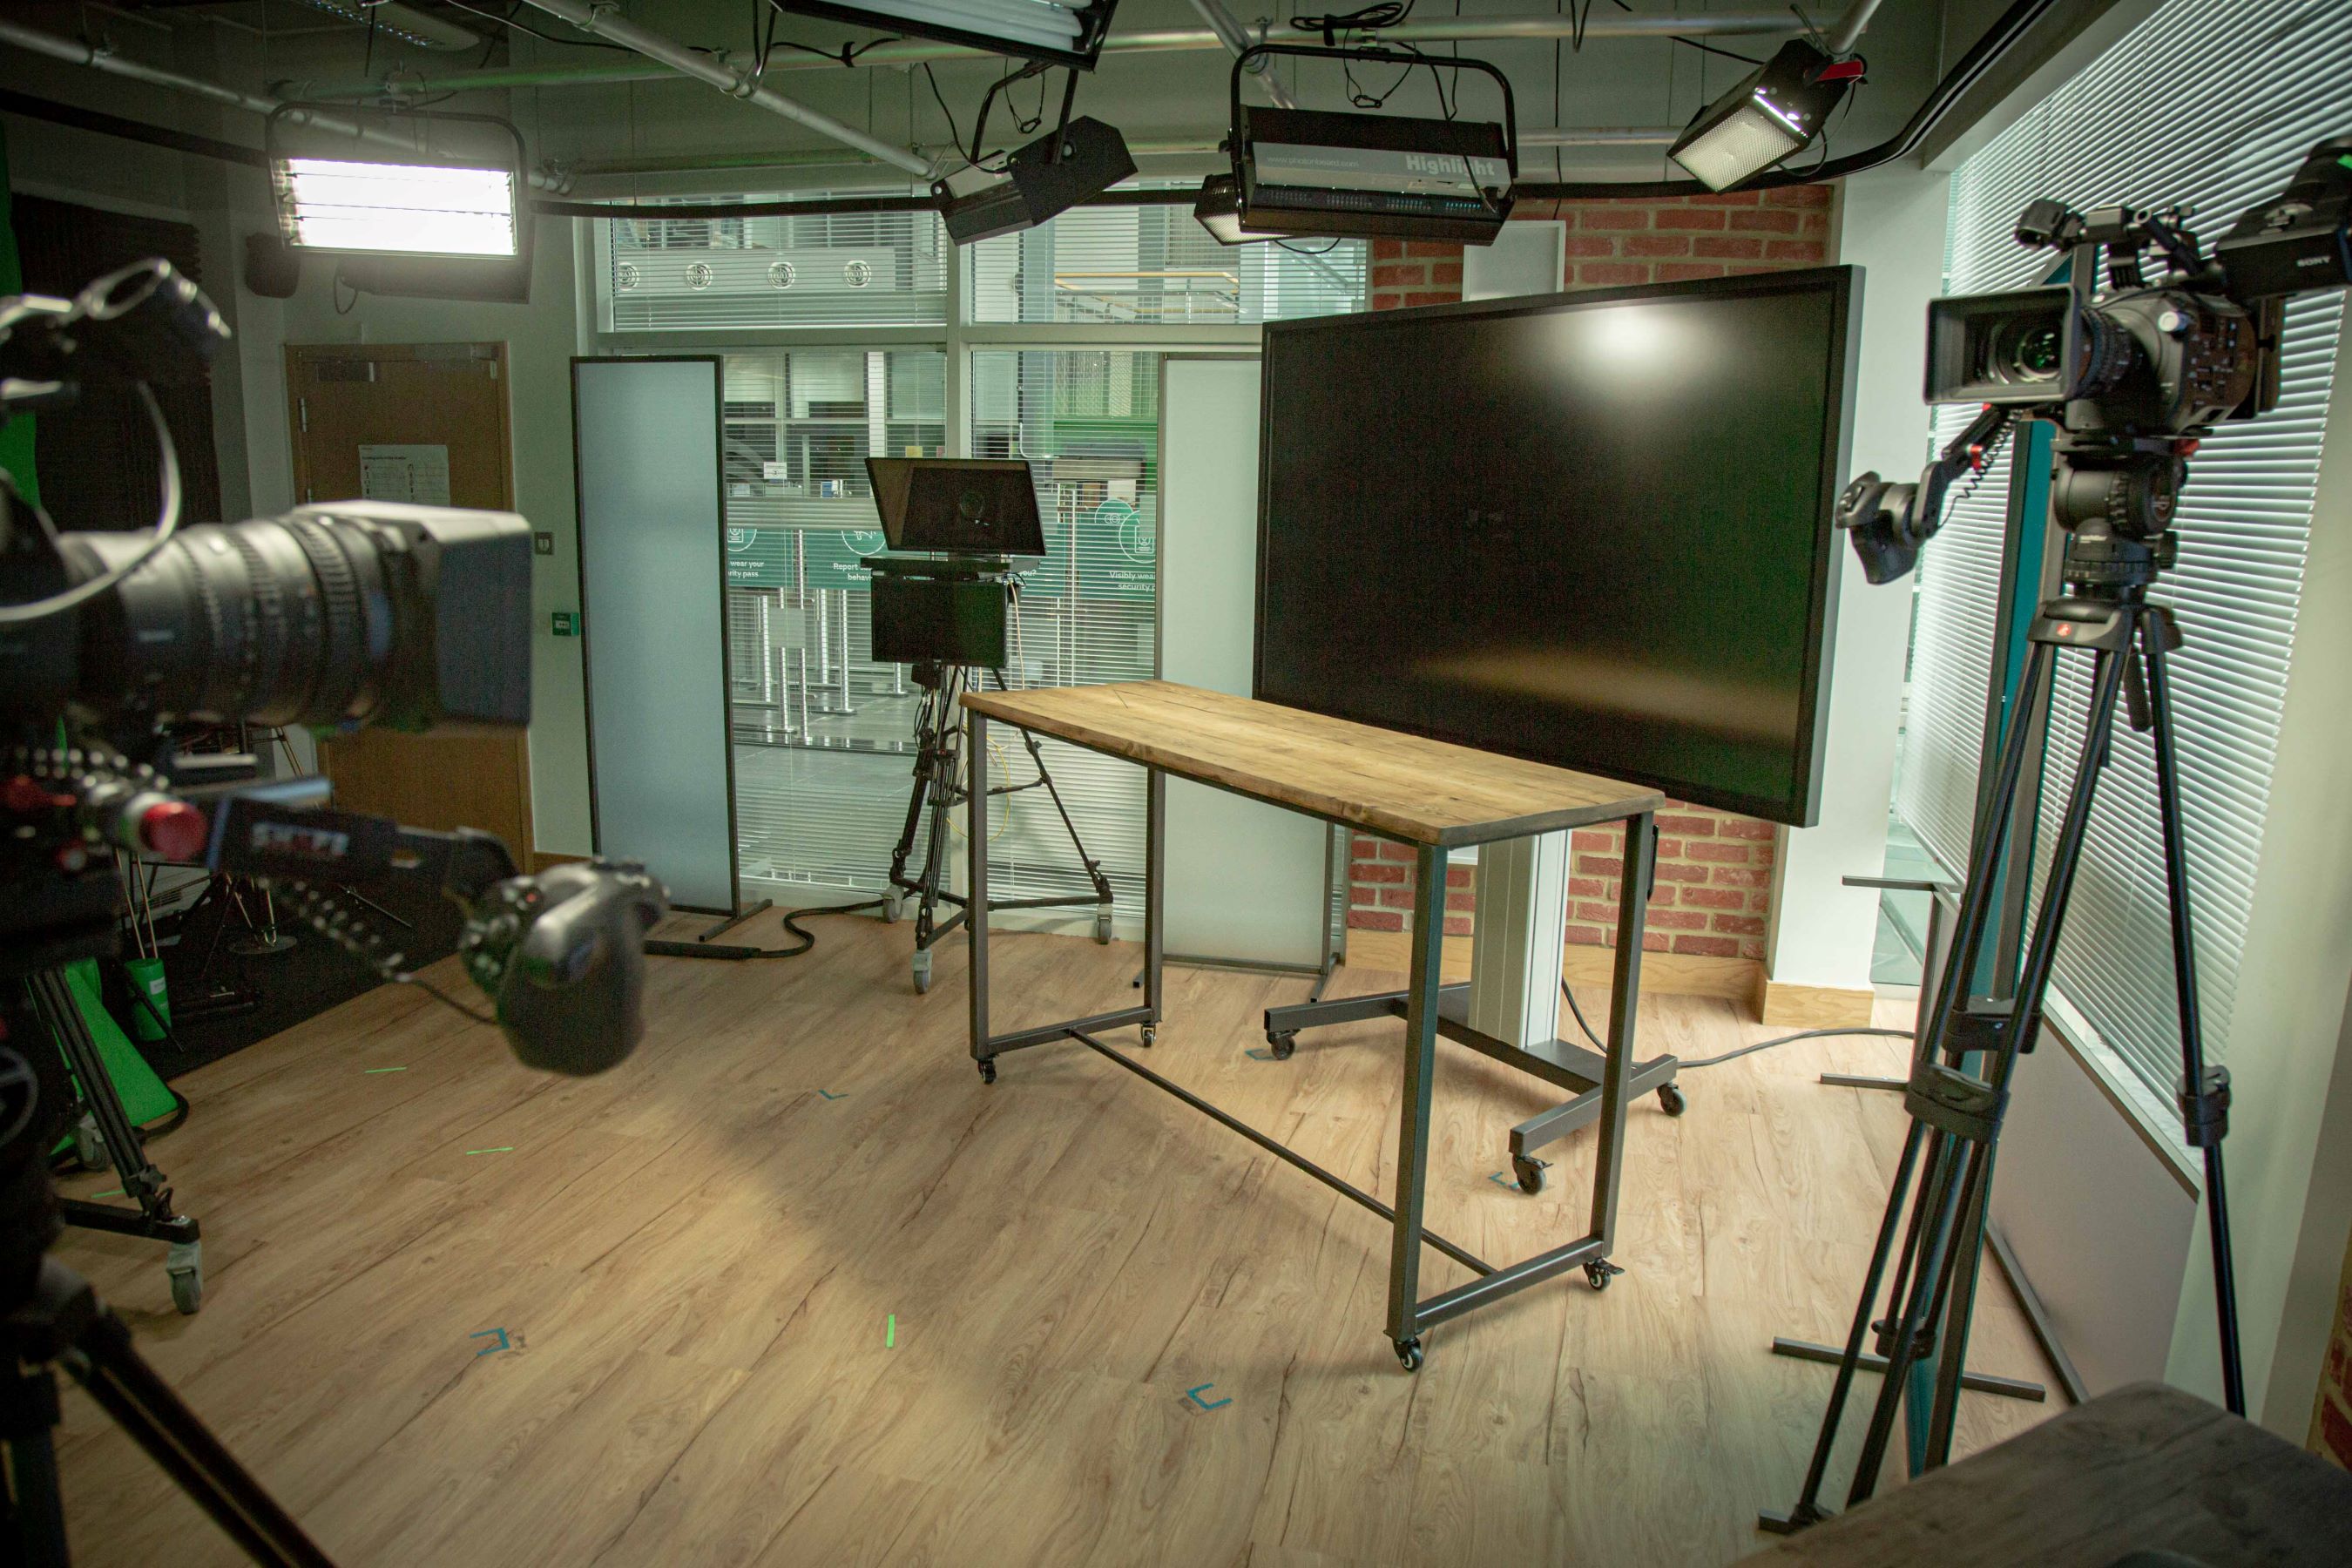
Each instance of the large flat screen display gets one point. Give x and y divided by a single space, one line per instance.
1587 529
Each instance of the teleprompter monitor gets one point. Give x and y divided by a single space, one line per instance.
1588 529
961 506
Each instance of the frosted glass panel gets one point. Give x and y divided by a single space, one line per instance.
651 566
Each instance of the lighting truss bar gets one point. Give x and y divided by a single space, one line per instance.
915 51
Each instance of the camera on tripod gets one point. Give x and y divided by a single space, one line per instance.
2176 342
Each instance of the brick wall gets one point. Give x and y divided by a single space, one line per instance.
1715 869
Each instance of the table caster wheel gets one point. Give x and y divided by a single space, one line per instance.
184 1263
987 1071
1408 1353
1282 1042
1530 1173
1150 1033
923 970
1598 1272
1671 1100
1102 926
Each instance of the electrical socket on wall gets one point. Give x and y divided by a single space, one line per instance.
542 544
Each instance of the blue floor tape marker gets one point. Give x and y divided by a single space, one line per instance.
1259 1056
1194 1395
1501 1179
832 1096
503 1343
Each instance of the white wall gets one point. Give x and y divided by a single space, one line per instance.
2289 1152
1890 222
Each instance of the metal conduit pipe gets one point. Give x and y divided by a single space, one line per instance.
730 80
916 51
1236 37
1848 31
1172 147
74 52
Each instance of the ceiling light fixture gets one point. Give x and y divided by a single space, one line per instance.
1769 116
1050 30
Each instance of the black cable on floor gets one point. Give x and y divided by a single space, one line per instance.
1688 1063
808 938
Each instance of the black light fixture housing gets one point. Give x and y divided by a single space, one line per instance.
1050 175
1060 32
1769 116
1316 172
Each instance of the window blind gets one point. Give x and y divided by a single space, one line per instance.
1089 422
1154 266
845 269
2191 106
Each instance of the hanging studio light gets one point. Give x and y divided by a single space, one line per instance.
1770 115
1064 34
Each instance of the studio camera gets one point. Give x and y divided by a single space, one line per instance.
336 616
2133 373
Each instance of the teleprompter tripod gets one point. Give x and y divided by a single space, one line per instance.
1956 1113
943 782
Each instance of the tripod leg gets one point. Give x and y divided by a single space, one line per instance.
129 1390
1951 997
35 1517
1939 1198
141 1182
2156 632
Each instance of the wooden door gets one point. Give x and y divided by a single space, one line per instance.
423 422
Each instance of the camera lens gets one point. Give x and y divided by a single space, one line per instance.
2036 355
2024 350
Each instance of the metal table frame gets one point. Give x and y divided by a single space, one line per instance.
1409 1314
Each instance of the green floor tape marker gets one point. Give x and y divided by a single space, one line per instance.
890 1332
387 1070
502 1149
144 1096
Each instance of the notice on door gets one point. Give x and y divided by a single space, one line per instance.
410 473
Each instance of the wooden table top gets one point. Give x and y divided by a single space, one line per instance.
1425 792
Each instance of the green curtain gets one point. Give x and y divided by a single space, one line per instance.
16 440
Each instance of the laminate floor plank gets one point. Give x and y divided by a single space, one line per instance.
792 1286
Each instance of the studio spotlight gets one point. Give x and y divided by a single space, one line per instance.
1042 181
1775 112
1062 34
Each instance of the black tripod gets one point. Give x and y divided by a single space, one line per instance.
142 1184
63 1323
1956 1115
942 782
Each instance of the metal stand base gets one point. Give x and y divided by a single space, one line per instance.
1569 1066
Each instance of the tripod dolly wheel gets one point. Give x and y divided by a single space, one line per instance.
184 1263
1671 1100
891 906
1102 925
923 970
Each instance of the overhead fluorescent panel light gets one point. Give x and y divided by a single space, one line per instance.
1062 34
1316 173
1219 210
401 209
405 23
1773 113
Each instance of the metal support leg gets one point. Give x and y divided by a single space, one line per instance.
1412 1129
1155 854
1624 1004
975 908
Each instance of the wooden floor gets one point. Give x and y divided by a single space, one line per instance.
791 1287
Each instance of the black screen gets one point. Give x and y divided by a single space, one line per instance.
1591 529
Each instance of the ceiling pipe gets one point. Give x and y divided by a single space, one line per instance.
918 51
1848 31
1235 38
102 59
732 80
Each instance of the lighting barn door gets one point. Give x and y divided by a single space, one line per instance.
422 422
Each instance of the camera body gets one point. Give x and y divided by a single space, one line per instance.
2133 373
